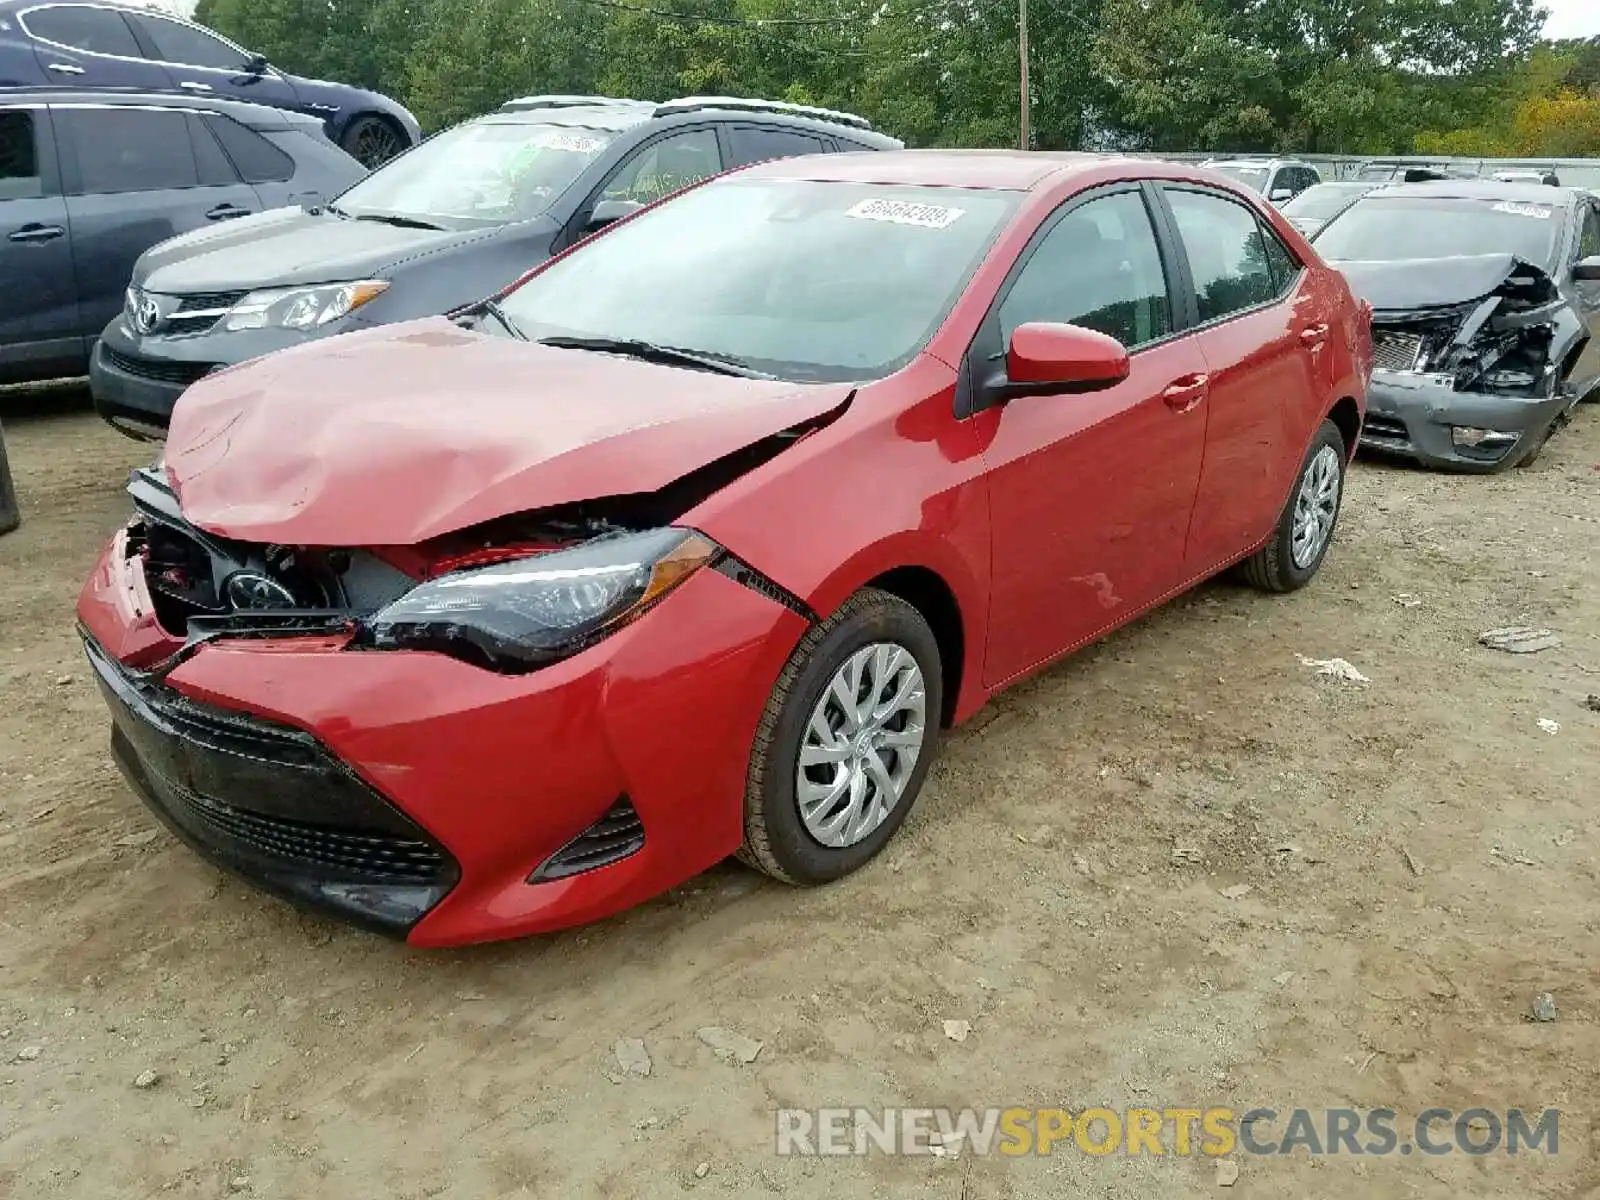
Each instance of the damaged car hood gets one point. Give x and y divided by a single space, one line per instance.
400 434
1425 283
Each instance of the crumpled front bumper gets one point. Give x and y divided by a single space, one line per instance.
1412 414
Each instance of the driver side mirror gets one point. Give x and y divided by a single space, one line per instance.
256 64
1279 195
1047 359
1587 269
609 211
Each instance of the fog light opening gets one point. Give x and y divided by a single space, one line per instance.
1486 441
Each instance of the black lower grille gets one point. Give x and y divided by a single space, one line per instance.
1385 429
162 370
610 839
272 803
380 858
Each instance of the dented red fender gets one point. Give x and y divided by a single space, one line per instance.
352 450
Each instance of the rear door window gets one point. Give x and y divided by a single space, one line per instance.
184 44
1226 250
95 30
753 144
20 176
129 149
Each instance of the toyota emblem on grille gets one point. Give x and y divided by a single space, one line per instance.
146 313
252 589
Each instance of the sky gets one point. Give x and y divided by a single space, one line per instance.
1572 18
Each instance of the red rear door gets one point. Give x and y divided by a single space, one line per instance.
1262 342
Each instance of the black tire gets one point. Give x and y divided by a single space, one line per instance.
10 514
776 840
372 141
1272 568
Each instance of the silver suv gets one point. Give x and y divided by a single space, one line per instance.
1278 179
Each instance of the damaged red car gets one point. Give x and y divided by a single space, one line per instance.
692 543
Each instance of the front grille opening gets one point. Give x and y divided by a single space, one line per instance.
611 839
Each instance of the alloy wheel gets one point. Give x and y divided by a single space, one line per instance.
861 744
1315 507
376 144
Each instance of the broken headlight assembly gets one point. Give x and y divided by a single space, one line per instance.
301 307
520 615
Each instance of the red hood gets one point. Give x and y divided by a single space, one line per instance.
397 435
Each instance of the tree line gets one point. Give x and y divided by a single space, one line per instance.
1308 76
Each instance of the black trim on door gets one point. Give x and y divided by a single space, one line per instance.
987 335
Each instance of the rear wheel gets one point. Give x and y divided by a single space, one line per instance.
1305 529
845 742
372 141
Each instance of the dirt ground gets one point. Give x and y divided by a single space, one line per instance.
1420 854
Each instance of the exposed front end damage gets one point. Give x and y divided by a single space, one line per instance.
1469 359
415 738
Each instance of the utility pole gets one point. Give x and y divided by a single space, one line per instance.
1022 45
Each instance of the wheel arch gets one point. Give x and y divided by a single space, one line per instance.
1346 415
927 592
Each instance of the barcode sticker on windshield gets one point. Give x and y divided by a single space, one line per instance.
1520 209
577 143
903 212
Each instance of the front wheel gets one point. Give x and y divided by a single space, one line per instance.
1305 529
845 742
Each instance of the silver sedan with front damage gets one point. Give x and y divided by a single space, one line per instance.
1486 315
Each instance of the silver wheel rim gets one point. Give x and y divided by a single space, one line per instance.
861 745
1315 507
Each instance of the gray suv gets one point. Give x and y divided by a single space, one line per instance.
91 180
441 227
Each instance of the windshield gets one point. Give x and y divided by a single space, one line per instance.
1253 177
806 281
480 173
1321 201
1388 228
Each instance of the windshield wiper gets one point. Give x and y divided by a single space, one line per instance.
492 307
720 364
399 219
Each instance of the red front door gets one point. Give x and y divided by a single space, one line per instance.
1090 495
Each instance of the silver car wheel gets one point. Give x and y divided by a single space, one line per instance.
861 744
1315 507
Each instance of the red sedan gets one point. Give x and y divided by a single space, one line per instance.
693 542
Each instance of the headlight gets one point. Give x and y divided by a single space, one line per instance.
301 307
516 616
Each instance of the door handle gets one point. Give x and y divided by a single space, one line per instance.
37 233
1313 335
1183 394
226 212
190 85
65 69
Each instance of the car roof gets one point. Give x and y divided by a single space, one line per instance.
998 170
619 115
1483 189
257 116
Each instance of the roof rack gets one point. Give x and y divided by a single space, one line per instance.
526 102
739 104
